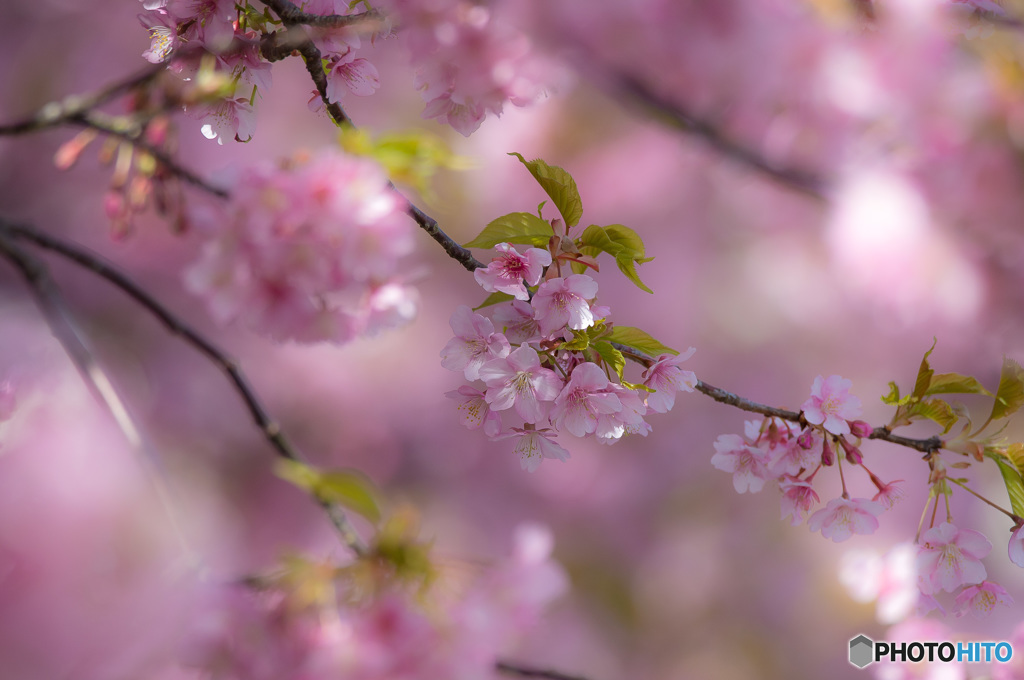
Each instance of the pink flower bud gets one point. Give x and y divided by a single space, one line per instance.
806 439
858 428
852 452
827 456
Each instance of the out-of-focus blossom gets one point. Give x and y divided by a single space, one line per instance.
889 579
981 599
798 497
950 557
533 446
844 517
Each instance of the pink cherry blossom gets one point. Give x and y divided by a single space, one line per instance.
565 302
844 517
889 494
474 410
627 420
798 496
748 464
519 381
949 557
796 454
533 446
831 404
515 318
583 399
232 118
981 599
346 73
1015 548
666 378
511 272
474 344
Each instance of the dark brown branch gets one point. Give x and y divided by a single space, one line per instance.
930 445
454 250
291 14
133 135
801 180
528 672
268 427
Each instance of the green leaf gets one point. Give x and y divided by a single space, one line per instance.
1014 486
619 241
935 410
893 398
955 383
518 227
924 374
493 299
626 266
347 488
580 341
639 388
559 185
611 356
638 339
1010 395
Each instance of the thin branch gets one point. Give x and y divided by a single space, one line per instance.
51 303
314 66
268 427
929 445
291 14
528 672
673 113
720 395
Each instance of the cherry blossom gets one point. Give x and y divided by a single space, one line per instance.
511 272
666 378
627 420
565 301
844 517
981 599
474 410
231 118
831 404
950 557
1015 547
798 496
533 446
583 399
474 344
516 319
748 464
347 73
519 381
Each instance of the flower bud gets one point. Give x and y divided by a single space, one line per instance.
860 429
806 439
852 452
827 456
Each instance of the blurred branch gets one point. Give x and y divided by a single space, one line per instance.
678 117
527 672
314 66
929 445
51 303
291 14
268 427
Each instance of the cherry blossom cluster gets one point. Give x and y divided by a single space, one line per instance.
391 630
530 366
307 251
945 559
468 62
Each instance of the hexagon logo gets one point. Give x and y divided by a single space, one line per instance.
861 651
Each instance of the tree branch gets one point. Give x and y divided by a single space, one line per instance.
528 672
51 303
291 14
268 427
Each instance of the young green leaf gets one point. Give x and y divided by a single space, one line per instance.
626 266
559 185
611 356
638 339
955 383
518 227
1010 395
924 374
935 410
349 489
619 241
1014 486
494 299
893 398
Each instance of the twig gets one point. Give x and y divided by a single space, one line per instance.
291 14
50 301
528 672
929 445
268 427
